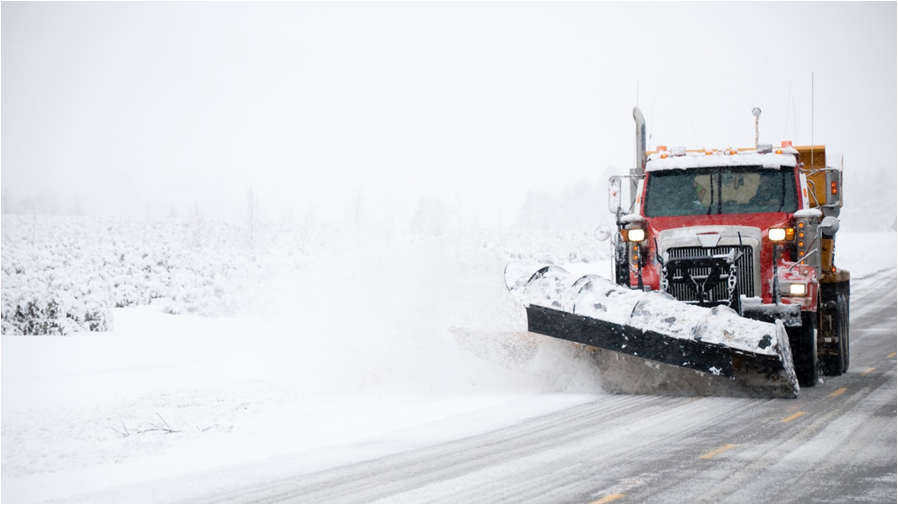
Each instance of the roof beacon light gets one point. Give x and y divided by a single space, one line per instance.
663 151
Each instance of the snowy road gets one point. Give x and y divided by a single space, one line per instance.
836 443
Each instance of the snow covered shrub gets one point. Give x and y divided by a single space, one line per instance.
54 301
126 295
49 285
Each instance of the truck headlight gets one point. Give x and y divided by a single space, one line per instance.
798 289
780 234
636 235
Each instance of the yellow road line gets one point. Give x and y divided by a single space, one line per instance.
717 451
793 417
610 498
890 356
837 392
868 370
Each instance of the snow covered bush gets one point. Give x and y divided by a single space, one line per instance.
47 290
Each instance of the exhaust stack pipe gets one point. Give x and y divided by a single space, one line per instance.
640 141
639 171
756 112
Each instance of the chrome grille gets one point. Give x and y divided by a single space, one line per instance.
744 271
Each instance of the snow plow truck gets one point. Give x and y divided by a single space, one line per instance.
724 275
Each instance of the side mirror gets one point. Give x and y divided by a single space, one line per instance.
614 190
829 226
603 232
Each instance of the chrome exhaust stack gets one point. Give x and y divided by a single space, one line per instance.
639 171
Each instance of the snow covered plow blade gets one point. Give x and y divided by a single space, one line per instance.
660 345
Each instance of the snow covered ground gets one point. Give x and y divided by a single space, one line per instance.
356 338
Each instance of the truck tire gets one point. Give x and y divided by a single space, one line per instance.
845 340
803 341
834 361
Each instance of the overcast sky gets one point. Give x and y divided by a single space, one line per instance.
128 106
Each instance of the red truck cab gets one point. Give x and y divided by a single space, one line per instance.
749 229
705 217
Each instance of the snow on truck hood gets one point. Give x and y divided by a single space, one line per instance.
701 160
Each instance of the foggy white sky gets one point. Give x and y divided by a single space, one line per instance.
123 107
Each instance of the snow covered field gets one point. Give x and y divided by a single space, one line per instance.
322 339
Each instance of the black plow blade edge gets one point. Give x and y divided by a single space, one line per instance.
682 367
701 356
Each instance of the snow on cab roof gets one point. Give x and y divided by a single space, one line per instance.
719 159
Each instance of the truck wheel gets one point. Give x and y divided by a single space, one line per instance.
844 340
836 364
832 363
803 340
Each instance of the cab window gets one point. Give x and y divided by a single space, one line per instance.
727 190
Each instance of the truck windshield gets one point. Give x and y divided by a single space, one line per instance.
725 190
